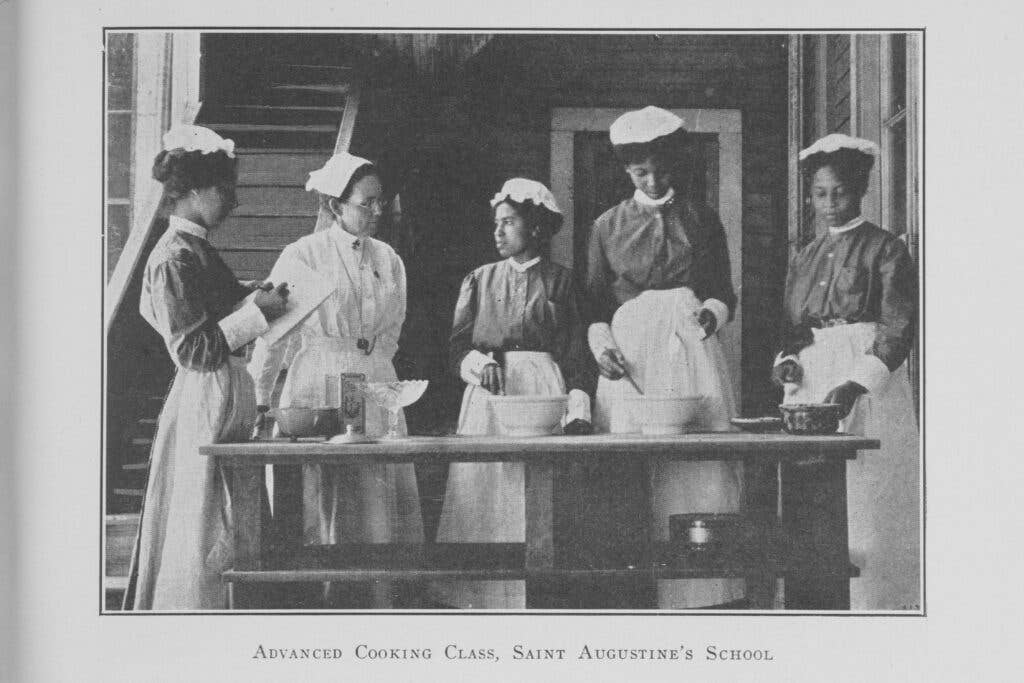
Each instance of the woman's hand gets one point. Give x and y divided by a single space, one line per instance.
787 372
492 378
612 364
258 284
578 428
708 322
846 394
264 423
272 302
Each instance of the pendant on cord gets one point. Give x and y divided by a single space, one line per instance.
363 344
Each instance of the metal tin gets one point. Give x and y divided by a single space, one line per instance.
352 412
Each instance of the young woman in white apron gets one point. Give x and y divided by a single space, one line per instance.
658 287
517 331
355 330
196 304
851 311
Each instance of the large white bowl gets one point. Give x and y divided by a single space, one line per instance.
528 415
660 415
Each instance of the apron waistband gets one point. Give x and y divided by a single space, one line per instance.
338 344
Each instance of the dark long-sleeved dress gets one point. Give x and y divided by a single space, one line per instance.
194 301
851 310
526 317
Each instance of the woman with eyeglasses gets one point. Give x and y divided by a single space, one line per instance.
355 330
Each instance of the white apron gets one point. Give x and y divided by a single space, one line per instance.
658 334
485 502
883 485
185 537
346 503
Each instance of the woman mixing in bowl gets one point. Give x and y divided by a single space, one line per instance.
197 305
517 331
354 331
659 289
851 308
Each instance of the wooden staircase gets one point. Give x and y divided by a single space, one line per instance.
283 128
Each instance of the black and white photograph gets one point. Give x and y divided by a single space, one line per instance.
512 321
509 341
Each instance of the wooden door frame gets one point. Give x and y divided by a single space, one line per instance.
727 125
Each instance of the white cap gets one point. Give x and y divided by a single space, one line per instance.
333 178
521 189
197 139
837 141
643 125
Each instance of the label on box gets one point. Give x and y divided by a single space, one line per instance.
353 403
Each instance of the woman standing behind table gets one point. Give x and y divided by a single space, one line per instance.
196 304
659 288
354 331
517 331
851 307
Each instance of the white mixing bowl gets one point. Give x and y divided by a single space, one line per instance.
528 415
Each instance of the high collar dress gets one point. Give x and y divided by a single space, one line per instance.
343 504
652 266
854 288
526 317
196 304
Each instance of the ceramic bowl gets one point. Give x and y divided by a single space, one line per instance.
810 418
758 425
661 415
528 415
296 422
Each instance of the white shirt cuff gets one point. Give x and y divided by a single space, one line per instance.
720 310
579 406
870 372
600 339
473 365
244 325
780 359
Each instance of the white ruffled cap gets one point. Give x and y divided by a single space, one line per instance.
197 139
333 178
643 125
837 141
521 189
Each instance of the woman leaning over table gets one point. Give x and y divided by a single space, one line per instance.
850 313
659 289
517 331
355 330
198 306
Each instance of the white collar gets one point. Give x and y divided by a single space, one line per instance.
642 198
523 267
846 228
345 238
184 225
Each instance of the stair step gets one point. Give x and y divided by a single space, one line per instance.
271 128
223 116
275 201
307 139
131 493
141 441
135 466
251 265
272 168
327 88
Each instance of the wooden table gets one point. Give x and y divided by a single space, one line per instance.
798 531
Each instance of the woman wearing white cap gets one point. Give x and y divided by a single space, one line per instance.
658 289
355 330
517 330
850 313
198 306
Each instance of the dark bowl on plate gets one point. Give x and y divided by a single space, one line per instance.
758 424
810 418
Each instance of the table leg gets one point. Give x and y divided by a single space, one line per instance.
539 508
247 519
759 507
814 513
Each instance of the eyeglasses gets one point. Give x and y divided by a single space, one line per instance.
375 203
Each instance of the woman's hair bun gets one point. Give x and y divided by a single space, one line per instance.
180 171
